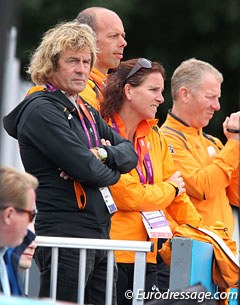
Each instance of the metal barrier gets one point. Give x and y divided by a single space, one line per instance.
139 247
191 263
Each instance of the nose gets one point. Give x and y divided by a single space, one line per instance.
216 105
160 98
80 67
123 42
33 245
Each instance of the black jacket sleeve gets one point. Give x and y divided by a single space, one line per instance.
65 145
121 155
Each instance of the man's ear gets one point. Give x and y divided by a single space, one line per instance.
7 215
184 93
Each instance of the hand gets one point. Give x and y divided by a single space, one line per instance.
94 150
106 142
178 179
64 175
232 123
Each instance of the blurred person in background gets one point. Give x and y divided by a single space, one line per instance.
17 210
25 261
20 259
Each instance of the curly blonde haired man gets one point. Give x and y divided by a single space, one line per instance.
58 133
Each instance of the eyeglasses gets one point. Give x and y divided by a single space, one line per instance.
141 63
31 214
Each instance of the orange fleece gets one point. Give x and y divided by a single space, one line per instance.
132 197
210 170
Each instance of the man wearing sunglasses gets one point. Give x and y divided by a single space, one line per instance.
17 210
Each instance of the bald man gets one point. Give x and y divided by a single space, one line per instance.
111 42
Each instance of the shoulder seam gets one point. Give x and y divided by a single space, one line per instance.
177 134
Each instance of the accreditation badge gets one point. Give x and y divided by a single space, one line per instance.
211 151
156 224
107 197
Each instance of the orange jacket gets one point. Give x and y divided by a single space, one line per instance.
132 197
210 170
225 266
92 92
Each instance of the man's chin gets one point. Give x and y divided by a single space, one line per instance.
80 88
115 64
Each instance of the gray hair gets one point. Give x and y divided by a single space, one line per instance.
190 74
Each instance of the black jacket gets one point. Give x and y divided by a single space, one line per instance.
51 138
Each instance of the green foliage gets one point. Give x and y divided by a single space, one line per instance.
168 31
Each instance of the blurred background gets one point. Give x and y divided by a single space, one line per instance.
168 31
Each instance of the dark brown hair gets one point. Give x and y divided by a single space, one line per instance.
113 91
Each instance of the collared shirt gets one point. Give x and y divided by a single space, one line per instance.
3 274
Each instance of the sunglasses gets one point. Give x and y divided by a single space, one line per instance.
31 214
141 63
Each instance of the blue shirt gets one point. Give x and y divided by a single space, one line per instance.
11 258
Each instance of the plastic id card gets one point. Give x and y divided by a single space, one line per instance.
156 224
107 197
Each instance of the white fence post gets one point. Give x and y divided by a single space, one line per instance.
54 270
9 146
81 275
139 247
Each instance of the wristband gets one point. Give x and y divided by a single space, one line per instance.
233 130
176 188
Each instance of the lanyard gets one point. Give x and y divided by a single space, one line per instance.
88 115
91 120
141 148
51 88
115 126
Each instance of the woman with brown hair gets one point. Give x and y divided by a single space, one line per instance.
131 99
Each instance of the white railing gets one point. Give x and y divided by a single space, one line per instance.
139 247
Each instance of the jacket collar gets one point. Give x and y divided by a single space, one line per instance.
98 77
181 125
143 129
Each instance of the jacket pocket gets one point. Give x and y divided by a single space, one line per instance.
80 195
